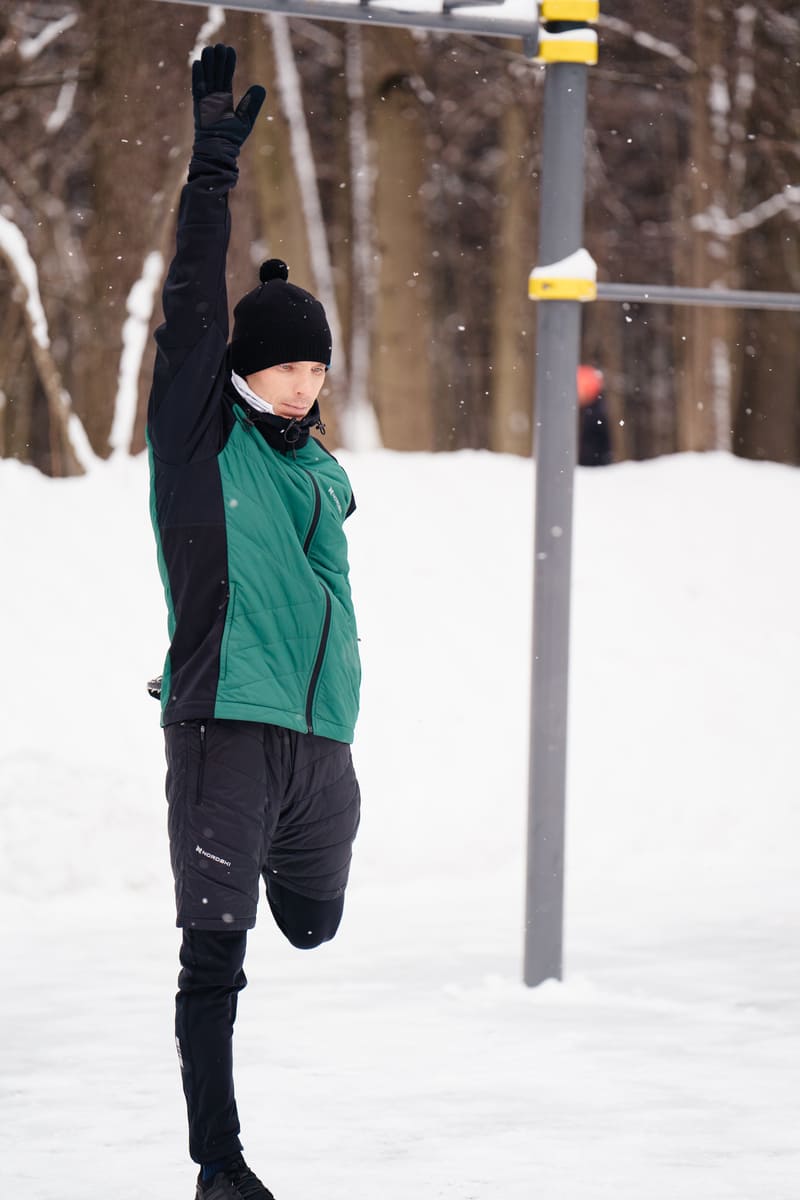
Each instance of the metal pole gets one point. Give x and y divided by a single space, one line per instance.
642 293
555 441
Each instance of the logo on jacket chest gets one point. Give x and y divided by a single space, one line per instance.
335 499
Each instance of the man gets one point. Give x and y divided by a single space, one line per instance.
260 688
594 434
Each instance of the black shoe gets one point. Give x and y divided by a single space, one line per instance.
236 1182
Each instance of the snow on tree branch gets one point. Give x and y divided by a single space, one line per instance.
786 26
66 98
715 220
31 48
745 85
14 249
141 301
213 23
743 92
648 42
13 83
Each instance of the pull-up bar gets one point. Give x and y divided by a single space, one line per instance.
643 293
489 18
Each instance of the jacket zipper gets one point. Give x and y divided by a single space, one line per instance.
326 624
201 770
312 687
317 510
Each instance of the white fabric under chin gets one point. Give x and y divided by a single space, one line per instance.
244 390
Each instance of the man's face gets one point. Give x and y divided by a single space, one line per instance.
291 388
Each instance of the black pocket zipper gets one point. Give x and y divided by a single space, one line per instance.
201 770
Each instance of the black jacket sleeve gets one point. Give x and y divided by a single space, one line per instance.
184 417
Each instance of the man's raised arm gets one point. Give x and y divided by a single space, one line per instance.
191 342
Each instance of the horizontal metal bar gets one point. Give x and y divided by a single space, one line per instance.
461 20
641 293
452 5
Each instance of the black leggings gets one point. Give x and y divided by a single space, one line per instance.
211 977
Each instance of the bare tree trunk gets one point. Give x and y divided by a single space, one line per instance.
768 423
138 145
277 192
405 337
290 90
721 98
514 314
13 344
280 221
768 416
361 425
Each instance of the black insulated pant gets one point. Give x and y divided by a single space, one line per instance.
211 977
246 801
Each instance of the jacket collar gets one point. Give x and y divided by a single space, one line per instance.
282 435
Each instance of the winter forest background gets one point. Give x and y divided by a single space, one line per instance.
397 174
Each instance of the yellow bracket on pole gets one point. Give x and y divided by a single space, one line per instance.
562 289
570 10
574 278
576 46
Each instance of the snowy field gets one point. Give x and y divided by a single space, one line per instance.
407 1059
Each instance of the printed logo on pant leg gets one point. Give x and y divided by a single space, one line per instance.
223 862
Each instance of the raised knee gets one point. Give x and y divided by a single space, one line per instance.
304 941
304 922
309 939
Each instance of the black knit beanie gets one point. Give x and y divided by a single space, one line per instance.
278 322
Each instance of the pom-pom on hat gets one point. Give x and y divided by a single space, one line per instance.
273 268
278 322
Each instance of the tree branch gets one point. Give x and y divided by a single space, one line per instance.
713 220
648 42
40 81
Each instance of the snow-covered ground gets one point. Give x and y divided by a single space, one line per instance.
407 1058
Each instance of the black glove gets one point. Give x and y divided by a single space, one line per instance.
212 92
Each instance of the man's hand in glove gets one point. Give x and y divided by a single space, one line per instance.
212 92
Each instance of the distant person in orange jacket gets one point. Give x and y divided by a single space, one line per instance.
594 434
